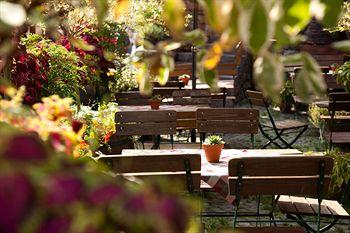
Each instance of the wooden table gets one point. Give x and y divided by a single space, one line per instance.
216 174
185 114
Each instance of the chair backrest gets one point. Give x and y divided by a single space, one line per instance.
339 101
332 84
145 122
131 98
176 84
283 175
182 168
256 98
227 120
192 97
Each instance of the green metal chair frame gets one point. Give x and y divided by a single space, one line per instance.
256 99
240 184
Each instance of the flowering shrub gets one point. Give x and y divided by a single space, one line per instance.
51 120
123 79
43 192
102 46
46 68
99 126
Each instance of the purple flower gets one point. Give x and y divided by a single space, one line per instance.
64 189
26 147
15 198
136 204
105 194
174 212
55 225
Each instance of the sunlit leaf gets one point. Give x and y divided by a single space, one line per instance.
121 8
269 75
213 56
172 46
174 16
259 27
332 12
163 75
81 44
196 37
101 9
210 77
218 13
342 45
309 82
296 16
12 14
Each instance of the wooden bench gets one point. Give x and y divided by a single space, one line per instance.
338 130
183 169
284 175
266 230
229 69
140 123
227 120
131 98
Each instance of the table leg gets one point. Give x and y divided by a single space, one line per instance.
193 135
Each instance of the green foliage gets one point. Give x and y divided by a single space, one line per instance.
343 24
288 92
64 69
341 169
343 75
213 140
315 114
122 79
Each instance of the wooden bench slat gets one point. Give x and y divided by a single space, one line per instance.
228 113
232 126
336 209
146 116
314 205
285 204
147 128
302 205
281 166
266 230
277 185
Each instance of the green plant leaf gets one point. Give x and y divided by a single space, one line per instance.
332 12
343 45
174 16
210 77
269 75
101 9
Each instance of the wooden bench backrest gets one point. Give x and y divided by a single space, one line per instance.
256 98
192 97
339 101
227 120
145 122
284 175
155 166
131 98
177 84
222 69
331 82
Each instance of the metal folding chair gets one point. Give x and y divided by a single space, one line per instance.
279 128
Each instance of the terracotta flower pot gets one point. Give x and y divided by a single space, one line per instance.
185 80
154 104
213 152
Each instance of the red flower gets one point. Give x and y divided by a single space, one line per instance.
76 125
108 137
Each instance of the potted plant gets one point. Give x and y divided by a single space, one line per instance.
185 78
155 101
287 97
213 146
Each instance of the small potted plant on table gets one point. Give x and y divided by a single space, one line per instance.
155 101
213 146
185 78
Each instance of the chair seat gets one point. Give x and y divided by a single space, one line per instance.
266 230
309 206
286 124
337 137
